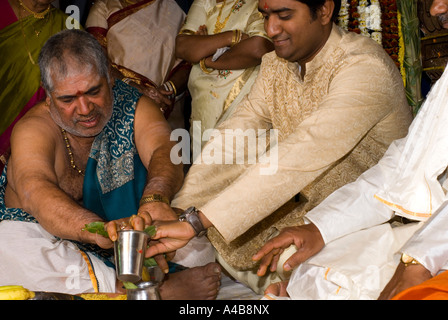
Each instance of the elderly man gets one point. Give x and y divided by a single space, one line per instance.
92 151
348 250
336 100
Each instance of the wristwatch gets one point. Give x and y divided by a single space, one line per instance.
191 215
408 260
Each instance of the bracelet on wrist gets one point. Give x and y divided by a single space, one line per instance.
204 68
154 198
169 86
236 38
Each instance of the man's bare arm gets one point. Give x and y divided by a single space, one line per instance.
34 174
152 138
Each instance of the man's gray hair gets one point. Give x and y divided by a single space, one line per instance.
77 45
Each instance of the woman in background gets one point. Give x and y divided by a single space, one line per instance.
25 25
224 40
139 37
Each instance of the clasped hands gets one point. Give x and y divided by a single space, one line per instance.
306 238
171 234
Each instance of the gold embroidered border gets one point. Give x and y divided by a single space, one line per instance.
325 277
134 76
396 206
91 272
95 31
237 86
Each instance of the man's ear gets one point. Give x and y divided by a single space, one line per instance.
326 12
47 95
47 100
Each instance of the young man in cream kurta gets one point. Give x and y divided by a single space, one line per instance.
337 101
355 253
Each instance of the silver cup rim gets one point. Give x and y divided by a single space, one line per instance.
133 231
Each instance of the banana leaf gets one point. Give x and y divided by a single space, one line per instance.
412 42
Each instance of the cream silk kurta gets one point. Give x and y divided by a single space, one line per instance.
333 124
214 95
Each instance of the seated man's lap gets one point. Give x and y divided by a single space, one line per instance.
35 259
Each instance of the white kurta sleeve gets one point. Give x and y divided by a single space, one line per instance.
429 244
354 206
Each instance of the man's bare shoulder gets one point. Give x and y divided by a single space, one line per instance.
35 132
148 116
36 121
146 104
33 145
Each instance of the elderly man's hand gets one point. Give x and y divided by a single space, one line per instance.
306 238
102 242
159 211
138 222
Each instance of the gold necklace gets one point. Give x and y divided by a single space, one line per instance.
36 32
24 39
220 25
37 15
70 154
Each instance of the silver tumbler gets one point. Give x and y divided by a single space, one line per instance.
130 250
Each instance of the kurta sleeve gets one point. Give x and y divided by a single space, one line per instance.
428 244
352 107
354 206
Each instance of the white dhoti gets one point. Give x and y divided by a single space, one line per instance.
37 260
357 266
198 252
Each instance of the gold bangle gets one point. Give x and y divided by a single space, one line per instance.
173 87
154 198
187 32
236 38
204 68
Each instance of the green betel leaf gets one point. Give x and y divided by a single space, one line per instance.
150 231
96 227
150 262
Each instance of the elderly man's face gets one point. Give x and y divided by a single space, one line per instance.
439 9
81 102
